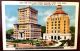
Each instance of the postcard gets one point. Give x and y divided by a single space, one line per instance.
39 25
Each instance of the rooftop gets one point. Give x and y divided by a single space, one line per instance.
59 10
25 7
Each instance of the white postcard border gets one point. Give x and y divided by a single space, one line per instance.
27 3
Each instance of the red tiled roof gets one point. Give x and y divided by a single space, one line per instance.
59 10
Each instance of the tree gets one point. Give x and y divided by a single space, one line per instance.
9 33
43 30
70 42
72 28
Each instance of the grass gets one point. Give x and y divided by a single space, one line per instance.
33 42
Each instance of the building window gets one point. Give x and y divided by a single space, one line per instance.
52 31
58 27
64 27
58 18
47 31
58 24
64 24
47 22
64 21
55 37
55 31
51 37
64 30
58 37
55 22
52 27
55 27
21 34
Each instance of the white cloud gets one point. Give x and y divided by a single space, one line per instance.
10 21
43 15
47 13
45 19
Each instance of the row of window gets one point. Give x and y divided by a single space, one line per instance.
23 27
56 24
22 12
54 27
53 22
54 37
55 19
27 13
55 31
22 20
32 11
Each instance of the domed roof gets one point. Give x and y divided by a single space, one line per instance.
59 10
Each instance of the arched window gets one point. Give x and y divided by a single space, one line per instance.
58 37
51 37
21 34
55 37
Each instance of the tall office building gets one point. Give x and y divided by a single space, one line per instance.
27 27
58 25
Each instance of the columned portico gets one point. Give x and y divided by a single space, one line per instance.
57 37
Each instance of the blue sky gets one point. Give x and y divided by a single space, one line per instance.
11 12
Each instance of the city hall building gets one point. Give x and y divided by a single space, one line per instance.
27 27
58 26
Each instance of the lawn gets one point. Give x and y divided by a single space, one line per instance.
33 42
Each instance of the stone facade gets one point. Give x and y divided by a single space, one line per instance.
27 27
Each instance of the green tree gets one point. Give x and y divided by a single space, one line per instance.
43 30
72 29
70 42
9 33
